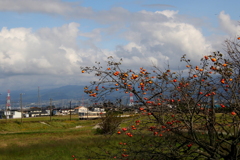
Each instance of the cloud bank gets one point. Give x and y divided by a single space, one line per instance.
52 56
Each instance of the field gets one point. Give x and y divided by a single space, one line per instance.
39 138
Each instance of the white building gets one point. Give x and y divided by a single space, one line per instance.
85 113
80 109
66 111
10 114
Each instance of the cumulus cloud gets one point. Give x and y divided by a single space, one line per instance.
230 26
168 13
46 57
52 56
165 40
42 52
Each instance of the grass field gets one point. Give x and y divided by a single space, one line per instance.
39 138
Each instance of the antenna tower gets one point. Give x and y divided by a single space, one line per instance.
131 99
39 98
8 105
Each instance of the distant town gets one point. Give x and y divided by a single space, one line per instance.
32 104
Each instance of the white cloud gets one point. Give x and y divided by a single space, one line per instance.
168 13
48 56
52 56
48 51
165 41
230 26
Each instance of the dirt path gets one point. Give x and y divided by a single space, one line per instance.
45 123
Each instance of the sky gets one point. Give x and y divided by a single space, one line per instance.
43 43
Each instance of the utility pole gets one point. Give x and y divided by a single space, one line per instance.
212 119
82 100
39 99
50 109
21 107
70 110
0 104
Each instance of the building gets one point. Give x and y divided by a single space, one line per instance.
85 113
80 109
67 111
10 114
35 112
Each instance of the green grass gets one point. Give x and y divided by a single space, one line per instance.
46 146
45 118
60 139
42 125
56 139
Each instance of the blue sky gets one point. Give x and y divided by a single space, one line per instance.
44 42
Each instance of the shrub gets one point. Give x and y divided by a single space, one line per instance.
109 123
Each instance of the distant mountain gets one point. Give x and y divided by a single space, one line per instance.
65 92
69 92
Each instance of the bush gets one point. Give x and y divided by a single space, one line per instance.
109 123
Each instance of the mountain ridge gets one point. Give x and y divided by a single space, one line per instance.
63 92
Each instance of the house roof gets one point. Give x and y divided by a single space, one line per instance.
79 107
66 109
43 112
15 110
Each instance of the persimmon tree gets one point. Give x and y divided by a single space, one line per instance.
193 113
